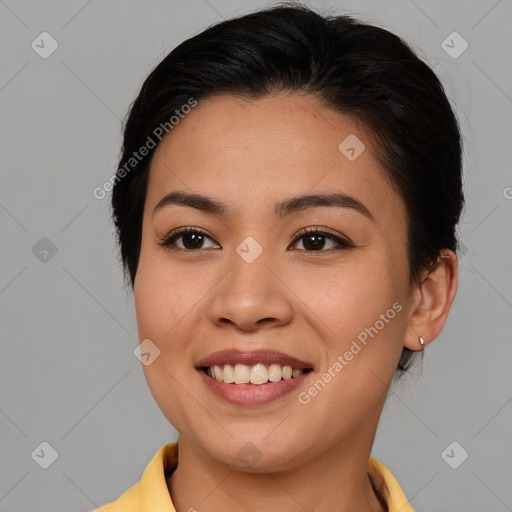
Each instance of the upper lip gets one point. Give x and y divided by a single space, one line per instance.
266 357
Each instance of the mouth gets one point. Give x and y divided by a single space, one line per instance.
257 374
252 378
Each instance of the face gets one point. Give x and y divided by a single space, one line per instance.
262 283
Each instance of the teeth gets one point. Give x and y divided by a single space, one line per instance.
229 374
286 372
218 373
242 373
274 372
257 374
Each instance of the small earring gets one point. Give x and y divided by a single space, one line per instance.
422 342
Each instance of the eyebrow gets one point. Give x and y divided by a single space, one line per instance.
281 209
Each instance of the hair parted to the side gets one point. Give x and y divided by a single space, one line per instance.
357 69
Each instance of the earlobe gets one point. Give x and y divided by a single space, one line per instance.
433 299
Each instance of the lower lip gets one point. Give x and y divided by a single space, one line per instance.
252 394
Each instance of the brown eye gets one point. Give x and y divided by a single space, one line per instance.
316 240
192 239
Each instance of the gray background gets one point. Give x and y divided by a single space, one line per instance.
68 373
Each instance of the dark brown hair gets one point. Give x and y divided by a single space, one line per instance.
355 68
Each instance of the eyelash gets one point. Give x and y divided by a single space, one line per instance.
169 240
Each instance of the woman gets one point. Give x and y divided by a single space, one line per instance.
286 206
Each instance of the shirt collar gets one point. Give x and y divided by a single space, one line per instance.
386 486
154 494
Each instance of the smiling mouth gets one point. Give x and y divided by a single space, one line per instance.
256 374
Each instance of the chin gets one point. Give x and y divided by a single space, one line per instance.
254 453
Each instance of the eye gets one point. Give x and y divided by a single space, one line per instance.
315 240
193 238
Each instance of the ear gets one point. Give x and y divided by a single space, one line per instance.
432 300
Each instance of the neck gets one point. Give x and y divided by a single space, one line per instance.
333 480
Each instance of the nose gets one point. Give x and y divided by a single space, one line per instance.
252 296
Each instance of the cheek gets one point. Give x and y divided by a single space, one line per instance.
354 296
362 346
164 304
164 296
362 309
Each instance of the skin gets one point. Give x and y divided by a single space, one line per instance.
308 303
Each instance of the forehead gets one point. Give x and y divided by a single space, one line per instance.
252 152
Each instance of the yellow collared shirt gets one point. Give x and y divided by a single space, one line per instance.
152 495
